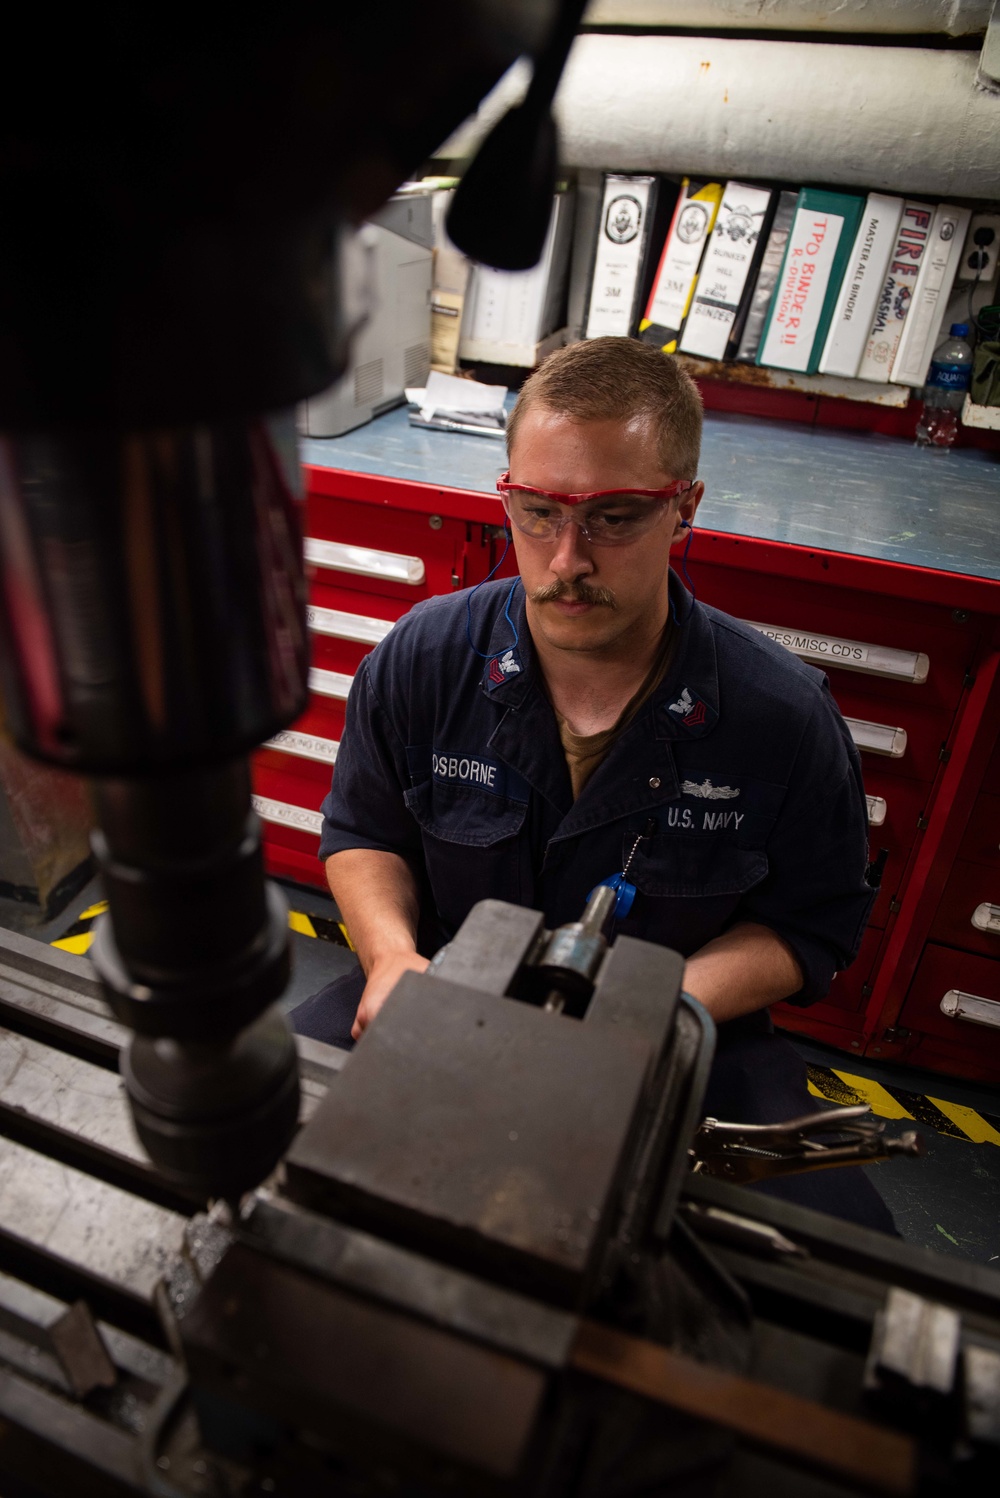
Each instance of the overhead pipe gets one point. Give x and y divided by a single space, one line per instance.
954 18
905 120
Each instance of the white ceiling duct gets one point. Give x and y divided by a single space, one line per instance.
906 17
904 119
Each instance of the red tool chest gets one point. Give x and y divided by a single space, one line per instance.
912 654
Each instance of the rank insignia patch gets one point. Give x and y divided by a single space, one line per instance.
502 666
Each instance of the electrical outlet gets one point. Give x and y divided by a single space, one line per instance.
982 240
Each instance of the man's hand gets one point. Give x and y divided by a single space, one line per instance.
382 979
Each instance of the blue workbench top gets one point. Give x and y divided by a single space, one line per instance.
826 489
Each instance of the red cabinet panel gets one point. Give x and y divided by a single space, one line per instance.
981 843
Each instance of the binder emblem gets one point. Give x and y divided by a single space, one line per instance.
623 219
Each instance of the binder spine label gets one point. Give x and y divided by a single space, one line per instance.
934 282
728 258
801 290
897 291
621 240
863 282
693 221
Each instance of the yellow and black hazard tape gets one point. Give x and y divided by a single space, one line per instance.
886 1101
78 937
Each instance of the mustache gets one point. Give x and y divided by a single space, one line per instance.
578 592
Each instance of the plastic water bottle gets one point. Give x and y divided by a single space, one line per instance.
944 393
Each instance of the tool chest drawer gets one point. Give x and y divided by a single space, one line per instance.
918 653
954 1041
981 843
288 805
902 738
965 916
398 553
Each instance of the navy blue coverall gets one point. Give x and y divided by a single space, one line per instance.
740 760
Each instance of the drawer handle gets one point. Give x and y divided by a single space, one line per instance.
987 918
330 683
877 738
389 566
342 626
876 810
969 1006
284 815
304 745
850 655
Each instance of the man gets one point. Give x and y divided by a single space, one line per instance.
593 721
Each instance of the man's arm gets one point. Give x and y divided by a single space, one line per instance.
745 969
376 895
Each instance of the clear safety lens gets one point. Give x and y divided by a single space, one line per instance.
610 523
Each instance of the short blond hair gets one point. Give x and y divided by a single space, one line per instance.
602 379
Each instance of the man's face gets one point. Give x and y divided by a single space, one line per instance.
581 596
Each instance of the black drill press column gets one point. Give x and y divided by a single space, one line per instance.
156 631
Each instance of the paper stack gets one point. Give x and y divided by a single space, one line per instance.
449 404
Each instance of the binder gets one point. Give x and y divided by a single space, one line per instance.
866 271
816 256
935 278
896 293
508 314
628 208
729 269
767 275
677 272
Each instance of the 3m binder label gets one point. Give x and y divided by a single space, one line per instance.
618 258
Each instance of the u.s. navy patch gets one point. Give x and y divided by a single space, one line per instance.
691 712
502 666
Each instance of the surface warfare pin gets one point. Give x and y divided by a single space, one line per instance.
502 666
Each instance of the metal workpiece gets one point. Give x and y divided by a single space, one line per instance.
568 963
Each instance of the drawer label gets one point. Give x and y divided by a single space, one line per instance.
284 815
305 745
852 655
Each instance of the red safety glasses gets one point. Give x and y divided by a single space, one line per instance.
614 517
